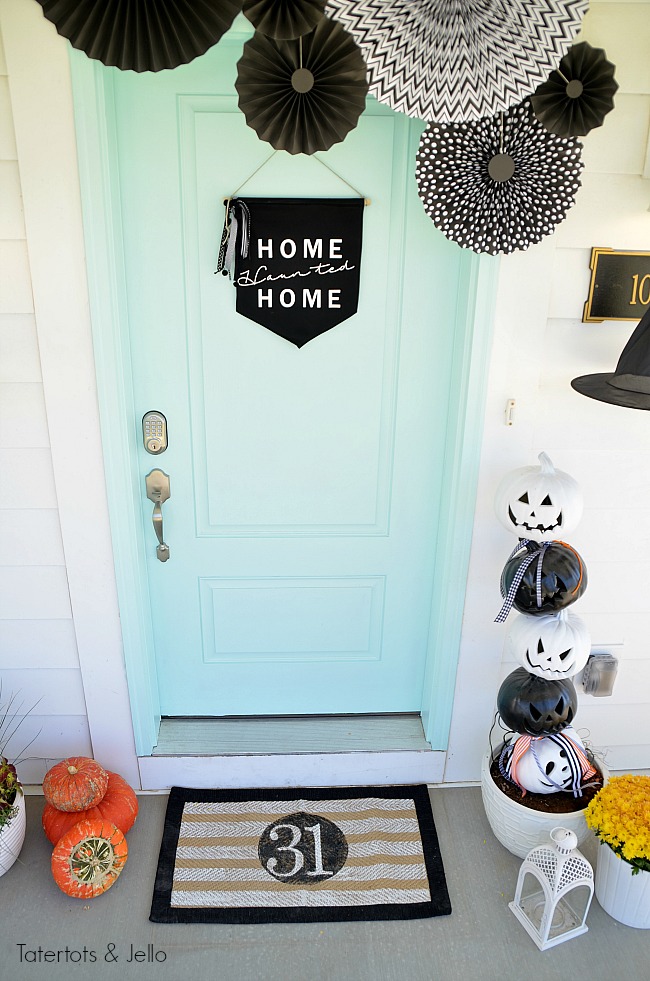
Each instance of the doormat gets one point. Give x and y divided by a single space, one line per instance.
273 856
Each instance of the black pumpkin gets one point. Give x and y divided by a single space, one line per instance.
564 578
537 706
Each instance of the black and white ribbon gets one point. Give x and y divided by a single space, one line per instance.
577 760
571 751
537 553
237 223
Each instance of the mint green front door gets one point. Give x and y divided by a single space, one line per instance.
305 483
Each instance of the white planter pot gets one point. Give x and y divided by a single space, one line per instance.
520 828
624 896
12 837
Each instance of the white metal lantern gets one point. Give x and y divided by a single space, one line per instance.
554 891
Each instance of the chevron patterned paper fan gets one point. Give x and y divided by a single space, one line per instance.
455 62
142 35
500 184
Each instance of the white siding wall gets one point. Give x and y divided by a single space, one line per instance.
38 653
540 345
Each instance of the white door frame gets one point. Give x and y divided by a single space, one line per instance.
41 98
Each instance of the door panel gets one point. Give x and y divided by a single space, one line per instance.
305 483
282 619
294 408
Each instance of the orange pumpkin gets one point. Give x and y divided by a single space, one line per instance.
75 784
88 859
119 805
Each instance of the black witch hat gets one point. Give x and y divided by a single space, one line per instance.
629 385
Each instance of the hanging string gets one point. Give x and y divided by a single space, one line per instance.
313 157
250 176
332 171
501 133
300 49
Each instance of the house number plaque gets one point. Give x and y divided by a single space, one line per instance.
619 287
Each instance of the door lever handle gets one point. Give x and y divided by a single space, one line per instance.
157 485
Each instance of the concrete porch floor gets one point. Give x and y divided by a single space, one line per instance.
480 941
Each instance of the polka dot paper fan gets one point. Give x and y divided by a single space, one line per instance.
499 184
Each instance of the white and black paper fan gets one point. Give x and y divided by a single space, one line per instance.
578 94
452 61
284 20
304 95
142 35
499 184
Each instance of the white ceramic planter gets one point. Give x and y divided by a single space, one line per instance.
12 837
520 828
624 896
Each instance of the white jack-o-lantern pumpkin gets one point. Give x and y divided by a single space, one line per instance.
551 646
546 767
539 503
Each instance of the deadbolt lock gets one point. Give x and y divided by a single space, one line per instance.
154 432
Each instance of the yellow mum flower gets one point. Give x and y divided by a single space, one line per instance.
619 815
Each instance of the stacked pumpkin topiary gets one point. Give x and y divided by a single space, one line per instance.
87 814
542 577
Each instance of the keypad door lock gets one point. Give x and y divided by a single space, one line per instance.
154 432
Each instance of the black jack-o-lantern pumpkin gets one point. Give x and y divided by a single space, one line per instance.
563 577
539 503
537 706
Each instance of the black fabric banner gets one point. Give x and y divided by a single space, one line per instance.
297 264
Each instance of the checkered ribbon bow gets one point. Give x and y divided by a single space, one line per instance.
532 554
576 758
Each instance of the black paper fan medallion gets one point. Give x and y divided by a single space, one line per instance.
284 20
302 95
459 60
578 94
500 184
142 35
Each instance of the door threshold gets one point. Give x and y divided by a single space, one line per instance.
314 751
264 735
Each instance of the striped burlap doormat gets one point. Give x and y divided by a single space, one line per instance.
267 856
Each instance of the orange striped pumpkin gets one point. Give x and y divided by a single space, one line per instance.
89 858
75 784
119 805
